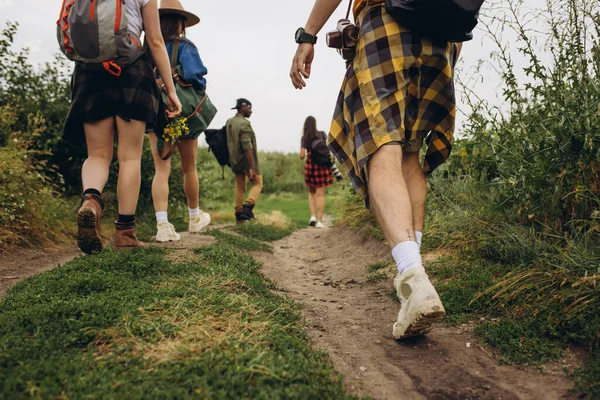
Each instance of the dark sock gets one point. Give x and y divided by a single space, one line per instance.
126 219
92 191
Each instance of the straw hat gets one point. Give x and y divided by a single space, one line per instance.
175 7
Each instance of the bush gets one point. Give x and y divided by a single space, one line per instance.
31 212
543 146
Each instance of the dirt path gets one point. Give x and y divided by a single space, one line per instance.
351 319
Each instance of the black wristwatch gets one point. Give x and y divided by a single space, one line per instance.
303 37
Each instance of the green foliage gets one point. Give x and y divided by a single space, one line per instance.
39 92
133 325
264 233
586 378
519 341
239 242
379 265
543 145
31 213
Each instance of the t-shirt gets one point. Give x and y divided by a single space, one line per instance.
135 22
308 146
359 5
241 137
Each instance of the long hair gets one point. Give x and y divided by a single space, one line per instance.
309 133
169 26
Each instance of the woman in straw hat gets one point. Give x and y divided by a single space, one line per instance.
129 102
174 20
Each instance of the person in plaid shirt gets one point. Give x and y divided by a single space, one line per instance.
397 92
316 177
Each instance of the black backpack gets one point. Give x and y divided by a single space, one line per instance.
216 139
320 153
438 20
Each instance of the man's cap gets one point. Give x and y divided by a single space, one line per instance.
241 103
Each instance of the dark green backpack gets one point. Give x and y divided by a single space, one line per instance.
196 105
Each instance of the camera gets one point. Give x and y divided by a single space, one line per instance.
344 39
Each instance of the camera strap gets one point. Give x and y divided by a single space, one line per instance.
349 9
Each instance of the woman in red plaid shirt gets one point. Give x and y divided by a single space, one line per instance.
316 177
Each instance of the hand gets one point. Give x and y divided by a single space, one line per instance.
251 174
174 105
301 64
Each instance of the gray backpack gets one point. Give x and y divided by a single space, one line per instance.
94 33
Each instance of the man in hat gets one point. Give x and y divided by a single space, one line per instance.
243 158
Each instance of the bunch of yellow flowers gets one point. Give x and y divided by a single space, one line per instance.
175 129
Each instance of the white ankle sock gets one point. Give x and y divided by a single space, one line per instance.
419 236
161 216
194 212
407 255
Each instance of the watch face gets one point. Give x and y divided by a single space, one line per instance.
299 33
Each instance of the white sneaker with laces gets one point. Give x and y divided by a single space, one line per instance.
313 221
166 233
320 225
199 223
420 304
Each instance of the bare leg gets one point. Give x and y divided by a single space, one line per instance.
320 203
99 138
312 201
188 150
129 153
389 195
417 187
160 182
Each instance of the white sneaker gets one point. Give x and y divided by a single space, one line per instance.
199 223
420 304
313 221
319 225
166 233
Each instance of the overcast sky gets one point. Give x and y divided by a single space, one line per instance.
248 47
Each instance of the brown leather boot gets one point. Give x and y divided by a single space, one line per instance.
125 238
89 215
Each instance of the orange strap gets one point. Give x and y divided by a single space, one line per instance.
112 68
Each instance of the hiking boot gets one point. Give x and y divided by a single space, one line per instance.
247 211
199 223
89 215
241 218
420 304
166 233
125 237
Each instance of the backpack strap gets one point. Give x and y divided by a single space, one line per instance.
198 109
161 149
174 60
175 52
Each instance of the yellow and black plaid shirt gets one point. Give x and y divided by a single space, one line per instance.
398 89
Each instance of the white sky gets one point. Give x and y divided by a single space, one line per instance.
248 47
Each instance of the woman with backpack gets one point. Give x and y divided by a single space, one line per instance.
317 169
174 20
119 94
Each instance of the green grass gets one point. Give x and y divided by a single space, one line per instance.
239 242
295 205
519 340
265 233
135 325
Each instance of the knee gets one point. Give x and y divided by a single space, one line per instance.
189 169
105 154
386 159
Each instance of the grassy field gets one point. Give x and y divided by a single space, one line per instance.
146 324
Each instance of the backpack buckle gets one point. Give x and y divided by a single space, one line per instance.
112 68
